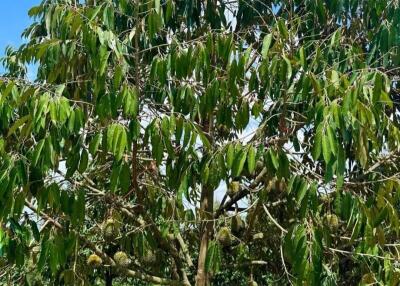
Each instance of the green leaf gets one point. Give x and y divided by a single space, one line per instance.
103 59
43 254
131 103
183 189
165 126
37 152
95 11
251 159
21 121
83 163
94 144
2 145
326 148
381 216
35 10
53 257
108 17
157 148
187 133
60 89
274 158
335 38
238 163
80 206
157 6
114 179
213 257
377 88
53 111
266 45
303 58
110 137
125 178
303 188
317 147
242 116
385 99
117 140
288 68
203 138
282 29
71 122
230 155
332 140
122 144
49 152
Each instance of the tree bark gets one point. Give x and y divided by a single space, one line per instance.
139 194
206 216
108 278
206 209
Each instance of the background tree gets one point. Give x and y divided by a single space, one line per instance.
144 114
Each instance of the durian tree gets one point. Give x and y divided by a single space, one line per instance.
167 142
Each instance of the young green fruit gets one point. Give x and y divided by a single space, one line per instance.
237 225
332 221
224 236
110 229
259 165
150 258
234 188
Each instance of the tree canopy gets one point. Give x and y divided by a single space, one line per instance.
187 142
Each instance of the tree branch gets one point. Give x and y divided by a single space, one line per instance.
107 259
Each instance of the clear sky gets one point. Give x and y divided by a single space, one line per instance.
13 20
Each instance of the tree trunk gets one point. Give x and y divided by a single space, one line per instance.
108 278
206 209
139 194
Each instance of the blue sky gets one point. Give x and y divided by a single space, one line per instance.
13 19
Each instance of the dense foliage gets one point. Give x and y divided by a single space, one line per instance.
187 142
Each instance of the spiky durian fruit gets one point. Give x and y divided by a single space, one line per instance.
272 184
252 283
234 188
121 259
94 260
281 185
368 278
332 221
110 229
224 236
237 225
325 198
